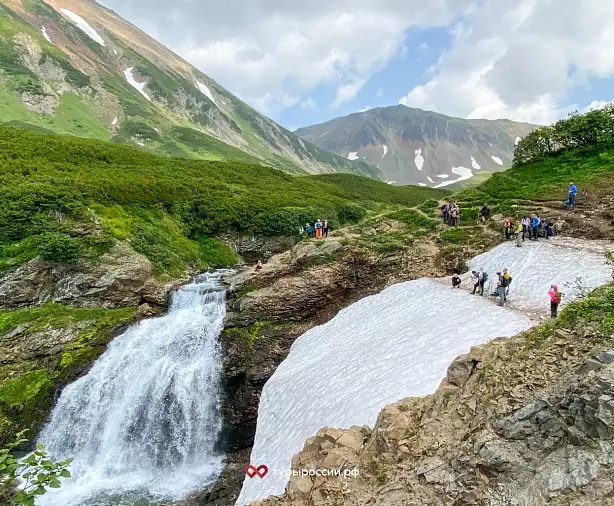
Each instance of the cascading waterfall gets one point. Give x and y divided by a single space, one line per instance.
143 423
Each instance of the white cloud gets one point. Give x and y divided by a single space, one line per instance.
308 104
268 51
520 60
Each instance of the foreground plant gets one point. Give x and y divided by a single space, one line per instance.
22 480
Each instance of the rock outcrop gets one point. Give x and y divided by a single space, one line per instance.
525 421
119 278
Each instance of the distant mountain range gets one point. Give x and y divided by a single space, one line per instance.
421 147
75 67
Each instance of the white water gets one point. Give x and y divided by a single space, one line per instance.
400 343
144 421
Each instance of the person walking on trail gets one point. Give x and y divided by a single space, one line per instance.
484 213
526 223
475 276
573 190
549 230
535 227
519 234
319 229
507 229
555 300
445 213
508 280
456 281
309 230
325 229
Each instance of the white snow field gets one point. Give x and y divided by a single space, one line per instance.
419 159
536 266
84 26
385 150
140 87
475 164
203 88
395 344
46 35
497 160
463 172
399 343
353 156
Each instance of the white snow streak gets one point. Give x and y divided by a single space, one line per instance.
385 151
422 184
430 180
84 26
419 159
475 164
443 176
205 91
498 160
140 87
46 35
463 172
115 51
517 140
353 156
114 122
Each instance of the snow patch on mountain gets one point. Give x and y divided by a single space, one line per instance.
46 35
475 164
517 140
205 91
385 151
463 172
84 26
443 176
497 160
140 87
421 184
419 159
353 156
430 180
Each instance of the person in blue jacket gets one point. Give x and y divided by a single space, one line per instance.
535 226
572 195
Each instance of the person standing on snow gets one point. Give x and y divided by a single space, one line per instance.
526 223
573 190
456 281
535 227
555 300
501 288
519 234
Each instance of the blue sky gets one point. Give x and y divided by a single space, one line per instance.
306 62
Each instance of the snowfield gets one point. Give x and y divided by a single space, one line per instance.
463 172
353 156
84 26
497 160
475 164
419 159
46 35
399 343
385 151
140 87
205 91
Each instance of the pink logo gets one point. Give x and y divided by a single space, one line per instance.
260 471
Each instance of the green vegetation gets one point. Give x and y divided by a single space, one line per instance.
170 209
591 131
22 480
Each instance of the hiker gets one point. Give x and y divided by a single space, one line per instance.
325 228
479 279
445 212
549 229
501 289
535 227
555 300
318 229
483 278
519 234
508 280
258 266
454 215
475 276
573 190
484 213
507 229
526 223
456 281
309 230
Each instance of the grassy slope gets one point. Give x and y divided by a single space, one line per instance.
169 208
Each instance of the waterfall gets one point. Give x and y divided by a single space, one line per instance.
143 423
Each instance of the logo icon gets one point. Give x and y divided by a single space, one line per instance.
260 471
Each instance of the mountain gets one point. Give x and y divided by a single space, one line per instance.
75 67
415 146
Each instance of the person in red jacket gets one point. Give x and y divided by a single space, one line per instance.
555 300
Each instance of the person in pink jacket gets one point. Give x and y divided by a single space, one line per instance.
555 300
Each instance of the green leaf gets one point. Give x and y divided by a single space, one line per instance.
65 473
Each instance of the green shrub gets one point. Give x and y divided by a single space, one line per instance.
58 247
349 213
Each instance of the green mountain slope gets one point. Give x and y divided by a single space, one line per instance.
53 188
415 146
75 67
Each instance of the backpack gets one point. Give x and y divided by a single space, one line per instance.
485 277
557 297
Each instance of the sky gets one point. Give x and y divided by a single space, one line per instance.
305 62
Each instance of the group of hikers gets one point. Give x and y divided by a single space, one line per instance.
319 230
451 214
502 290
528 227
